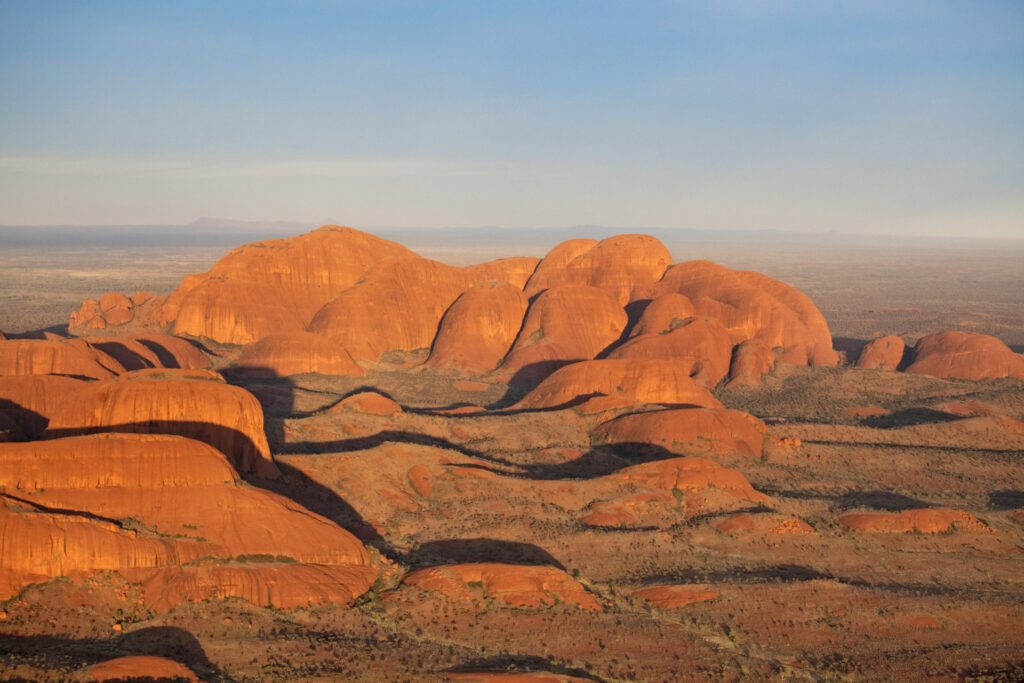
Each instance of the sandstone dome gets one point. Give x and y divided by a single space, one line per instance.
965 355
479 328
178 402
565 323
689 431
751 361
703 343
186 501
152 350
140 667
883 353
28 401
753 306
664 382
617 264
295 353
664 314
276 286
73 358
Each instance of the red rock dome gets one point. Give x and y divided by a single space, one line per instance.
965 355
883 353
479 328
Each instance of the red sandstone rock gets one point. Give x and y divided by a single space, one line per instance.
690 431
664 314
884 353
702 342
751 360
676 596
182 489
618 265
965 355
369 402
53 357
140 667
515 585
640 381
396 307
752 306
28 401
925 521
274 287
763 524
479 328
515 271
565 323
188 403
296 353
152 350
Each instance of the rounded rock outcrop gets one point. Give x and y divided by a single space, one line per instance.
564 324
73 358
965 355
178 402
617 264
513 584
883 353
296 353
690 431
479 328
702 342
663 382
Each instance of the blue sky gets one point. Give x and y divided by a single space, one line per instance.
878 117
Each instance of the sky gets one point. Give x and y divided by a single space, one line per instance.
898 117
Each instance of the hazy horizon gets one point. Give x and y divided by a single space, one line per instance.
798 116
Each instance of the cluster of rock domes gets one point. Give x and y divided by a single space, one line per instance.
329 299
948 355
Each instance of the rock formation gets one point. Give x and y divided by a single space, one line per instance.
515 585
68 503
883 353
923 521
751 361
152 350
965 355
702 342
564 324
140 668
618 265
479 328
28 401
676 596
296 353
688 431
187 403
73 358
636 381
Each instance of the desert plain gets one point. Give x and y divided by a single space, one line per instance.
600 458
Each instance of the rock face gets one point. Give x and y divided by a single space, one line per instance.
152 350
172 402
28 401
368 402
965 355
884 353
926 521
702 342
479 328
689 431
635 381
752 306
515 585
297 353
670 490
751 361
274 287
140 667
73 358
396 307
565 323
664 314
617 264
515 271
74 497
